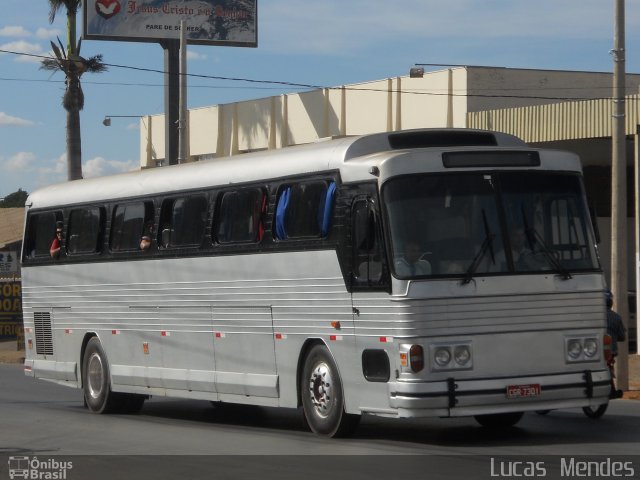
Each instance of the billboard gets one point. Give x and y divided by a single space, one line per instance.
208 22
10 309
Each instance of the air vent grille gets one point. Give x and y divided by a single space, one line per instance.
44 337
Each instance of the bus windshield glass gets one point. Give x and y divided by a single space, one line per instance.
467 224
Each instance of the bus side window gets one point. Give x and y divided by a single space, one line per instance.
128 225
367 254
40 233
240 216
304 210
86 227
182 221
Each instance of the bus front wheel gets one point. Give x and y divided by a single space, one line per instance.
323 396
98 396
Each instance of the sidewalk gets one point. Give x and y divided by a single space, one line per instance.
10 354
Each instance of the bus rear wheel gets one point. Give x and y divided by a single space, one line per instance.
98 396
499 420
323 396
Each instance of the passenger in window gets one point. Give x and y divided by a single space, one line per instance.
145 240
412 263
56 244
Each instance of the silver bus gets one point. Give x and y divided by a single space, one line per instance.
415 273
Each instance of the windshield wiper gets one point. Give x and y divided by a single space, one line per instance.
564 273
551 258
486 245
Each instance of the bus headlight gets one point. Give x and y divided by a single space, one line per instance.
574 349
582 349
442 356
451 356
590 347
462 355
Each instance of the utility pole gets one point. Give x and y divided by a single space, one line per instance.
182 104
619 280
171 91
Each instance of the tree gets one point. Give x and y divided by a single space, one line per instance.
69 61
14 200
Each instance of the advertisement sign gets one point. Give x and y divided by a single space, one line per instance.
10 309
9 264
208 22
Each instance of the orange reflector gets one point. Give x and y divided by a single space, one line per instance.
30 342
335 324
145 348
403 359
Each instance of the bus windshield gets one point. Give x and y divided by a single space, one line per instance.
465 224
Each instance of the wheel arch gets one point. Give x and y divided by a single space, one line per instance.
85 341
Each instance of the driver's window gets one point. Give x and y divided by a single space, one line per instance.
367 251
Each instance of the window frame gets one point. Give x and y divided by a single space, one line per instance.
149 216
287 188
258 226
68 232
164 220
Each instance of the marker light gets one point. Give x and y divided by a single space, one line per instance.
416 358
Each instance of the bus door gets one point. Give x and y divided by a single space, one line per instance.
370 284
244 351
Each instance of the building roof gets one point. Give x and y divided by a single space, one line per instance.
11 225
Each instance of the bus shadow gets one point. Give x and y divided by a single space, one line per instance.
557 428
226 414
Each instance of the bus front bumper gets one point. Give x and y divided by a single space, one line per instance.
457 398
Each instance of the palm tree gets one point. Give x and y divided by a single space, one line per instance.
73 66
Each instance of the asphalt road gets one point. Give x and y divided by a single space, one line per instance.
174 437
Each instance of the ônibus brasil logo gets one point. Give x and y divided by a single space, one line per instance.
34 469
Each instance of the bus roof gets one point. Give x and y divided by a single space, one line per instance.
324 155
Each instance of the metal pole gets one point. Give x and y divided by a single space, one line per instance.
619 281
171 93
636 171
182 108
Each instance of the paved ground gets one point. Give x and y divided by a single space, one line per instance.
10 354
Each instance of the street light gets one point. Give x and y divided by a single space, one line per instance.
416 72
107 118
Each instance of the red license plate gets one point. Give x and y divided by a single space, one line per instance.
521 391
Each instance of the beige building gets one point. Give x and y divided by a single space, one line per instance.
445 98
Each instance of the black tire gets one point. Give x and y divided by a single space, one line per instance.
98 396
595 413
499 420
542 412
323 397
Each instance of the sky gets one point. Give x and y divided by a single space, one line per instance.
327 43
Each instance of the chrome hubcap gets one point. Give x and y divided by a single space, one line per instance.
321 389
95 376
